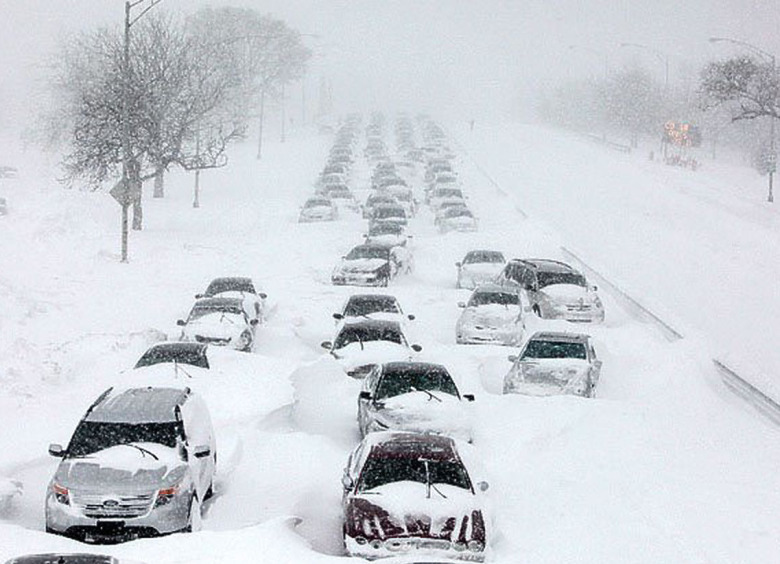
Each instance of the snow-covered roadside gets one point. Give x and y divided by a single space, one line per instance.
662 466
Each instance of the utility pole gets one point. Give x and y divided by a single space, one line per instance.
284 116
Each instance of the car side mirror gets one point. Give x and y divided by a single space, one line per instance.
416 348
461 304
181 323
254 322
594 288
458 264
201 451
326 345
365 396
469 397
263 295
56 450
512 358
347 482
483 486
198 296
411 317
338 316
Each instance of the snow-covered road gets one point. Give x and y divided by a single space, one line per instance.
665 465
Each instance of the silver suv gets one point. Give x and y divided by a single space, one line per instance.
139 464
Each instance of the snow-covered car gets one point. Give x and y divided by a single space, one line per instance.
3 206
363 343
417 397
66 558
10 492
175 352
251 295
493 314
219 321
377 199
457 218
441 196
405 197
371 265
330 179
387 233
388 213
372 306
342 197
410 492
554 363
318 208
555 290
139 464
479 267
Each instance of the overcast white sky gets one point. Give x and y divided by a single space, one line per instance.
472 57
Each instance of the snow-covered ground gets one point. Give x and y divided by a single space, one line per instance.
665 465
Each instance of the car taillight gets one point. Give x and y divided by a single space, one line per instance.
165 495
60 494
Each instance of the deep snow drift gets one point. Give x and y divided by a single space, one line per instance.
665 465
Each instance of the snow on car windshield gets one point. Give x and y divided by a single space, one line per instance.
550 278
317 203
192 355
367 252
379 471
363 334
555 349
386 229
483 256
398 382
230 285
359 306
200 310
489 298
93 436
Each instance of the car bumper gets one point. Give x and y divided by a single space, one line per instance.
577 316
544 390
70 521
397 546
472 335
357 280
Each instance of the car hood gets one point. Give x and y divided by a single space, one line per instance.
217 325
493 315
123 469
421 413
372 352
554 372
362 265
567 292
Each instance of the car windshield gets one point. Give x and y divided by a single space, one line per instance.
380 199
194 356
488 298
555 349
367 333
379 471
550 278
384 213
397 382
317 203
449 193
386 229
457 211
230 285
367 252
359 306
94 436
340 194
201 310
483 256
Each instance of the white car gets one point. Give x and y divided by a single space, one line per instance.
457 218
387 233
245 289
372 265
361 344
318 208
479 267
554 363
493 314
405 197
219 321
417 397
372 306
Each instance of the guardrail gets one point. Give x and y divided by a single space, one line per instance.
611 144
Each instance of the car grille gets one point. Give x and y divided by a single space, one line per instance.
98 506
578 307
213 340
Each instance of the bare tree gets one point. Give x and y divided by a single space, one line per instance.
750 87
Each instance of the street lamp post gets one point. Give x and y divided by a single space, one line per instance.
773 61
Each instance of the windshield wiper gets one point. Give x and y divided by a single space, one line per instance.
430 394
177 368
143 450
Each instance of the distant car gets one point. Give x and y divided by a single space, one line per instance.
8 171
387 233
493 314
393 213
342 196
554 363
479 267
439 196
376 199
63 558
372 306
410 492
318 208
555 290
219 321
330 179
405 197
3 206
140 464
251 295
191 354
412 396
458 219
371 265
361 344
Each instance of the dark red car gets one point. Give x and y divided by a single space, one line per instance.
409 492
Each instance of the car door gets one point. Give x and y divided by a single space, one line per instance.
369 386
198 432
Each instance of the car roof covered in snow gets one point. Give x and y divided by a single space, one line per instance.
218 302
547 265
147 404
560 336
